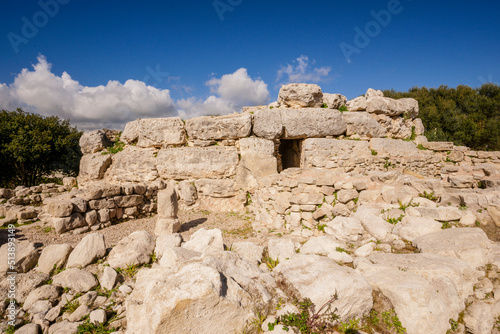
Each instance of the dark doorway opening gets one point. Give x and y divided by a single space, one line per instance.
289 151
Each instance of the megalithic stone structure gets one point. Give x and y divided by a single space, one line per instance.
168 207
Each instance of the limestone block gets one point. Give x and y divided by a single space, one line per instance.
221 127
197 162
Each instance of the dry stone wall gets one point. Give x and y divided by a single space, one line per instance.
216 161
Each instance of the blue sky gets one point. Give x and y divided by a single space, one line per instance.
198 57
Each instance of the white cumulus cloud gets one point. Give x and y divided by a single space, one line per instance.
111 106
231 92
114 104
302 72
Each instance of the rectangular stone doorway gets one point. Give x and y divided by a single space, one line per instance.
289 151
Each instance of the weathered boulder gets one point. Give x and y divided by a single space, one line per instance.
79 204
194 299
45 292
362 124
133 164
334 101
216 188
347 229
373 223
310 123
391 107
69 182
172 257
26 257
133 249
91 248
53 257
98 316
280 249
108 278
300 96
317 152
58 207
206 241
93 141
93 167
319 278
456 273
131 132
64 327
494 213
248 251
65 224
479 318
394 147
221 127
187 192
357 104
75 279
373 93
423 305
165 226
468 244
411 228
24 285
30 328
164 242
267 123
155 132
197 162
323 245
256 146
438 145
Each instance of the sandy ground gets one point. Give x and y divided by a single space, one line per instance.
234 226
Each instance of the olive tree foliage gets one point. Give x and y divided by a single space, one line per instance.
33 146
464 115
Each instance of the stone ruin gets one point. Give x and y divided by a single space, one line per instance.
273 159
365 180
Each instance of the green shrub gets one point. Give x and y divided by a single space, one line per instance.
33 146
343 108
309 321
463 115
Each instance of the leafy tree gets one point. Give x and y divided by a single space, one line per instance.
33 146
464 115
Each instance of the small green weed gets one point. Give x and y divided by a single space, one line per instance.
394 221
118 146
321 227
387 164
463 207
446 225
340 250
10 329
309 321
374 152
129 271
71 306
324 106
343 108
406 206
430 196
93 328
392 321
350 327
271 264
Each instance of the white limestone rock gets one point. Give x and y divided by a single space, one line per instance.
319 278
133 249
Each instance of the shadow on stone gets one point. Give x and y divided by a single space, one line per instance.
191 224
